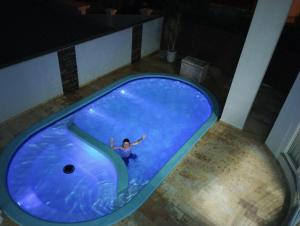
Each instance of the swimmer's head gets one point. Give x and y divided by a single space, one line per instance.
126 143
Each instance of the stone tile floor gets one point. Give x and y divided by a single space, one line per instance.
228 178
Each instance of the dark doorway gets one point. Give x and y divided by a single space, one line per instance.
278 80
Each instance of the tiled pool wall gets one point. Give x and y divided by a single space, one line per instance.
32 82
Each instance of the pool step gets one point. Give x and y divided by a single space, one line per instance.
107 152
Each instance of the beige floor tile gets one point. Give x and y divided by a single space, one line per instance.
228 178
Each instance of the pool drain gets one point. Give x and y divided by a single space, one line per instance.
69 169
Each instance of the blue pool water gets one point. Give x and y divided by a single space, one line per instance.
169 112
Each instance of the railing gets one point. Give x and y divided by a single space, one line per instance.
292 157
293 154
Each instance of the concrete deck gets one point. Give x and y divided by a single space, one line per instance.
228 178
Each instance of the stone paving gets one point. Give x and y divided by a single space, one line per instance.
228 178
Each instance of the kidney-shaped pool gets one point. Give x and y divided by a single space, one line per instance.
62 170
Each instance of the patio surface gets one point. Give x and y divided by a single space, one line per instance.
228 178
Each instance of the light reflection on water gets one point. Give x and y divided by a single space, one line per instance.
167 111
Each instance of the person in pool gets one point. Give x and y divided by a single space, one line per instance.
125 151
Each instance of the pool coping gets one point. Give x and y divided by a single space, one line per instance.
22 218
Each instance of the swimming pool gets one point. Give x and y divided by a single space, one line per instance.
62 171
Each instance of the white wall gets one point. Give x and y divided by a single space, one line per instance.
27 84
151 36
264 32
287 122
30 83
103 55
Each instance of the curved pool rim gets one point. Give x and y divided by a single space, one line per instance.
18 215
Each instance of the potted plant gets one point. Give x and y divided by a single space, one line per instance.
172 27
110 7
145 9
111 11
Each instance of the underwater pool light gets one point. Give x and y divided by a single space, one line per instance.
91 110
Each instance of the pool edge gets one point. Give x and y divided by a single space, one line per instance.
18 215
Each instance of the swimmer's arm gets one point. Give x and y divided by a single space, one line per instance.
139 140
112 146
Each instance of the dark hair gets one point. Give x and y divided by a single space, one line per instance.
126 140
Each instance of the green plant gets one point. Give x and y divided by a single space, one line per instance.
172 29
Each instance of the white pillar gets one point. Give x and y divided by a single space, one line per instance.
264 32
287 123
